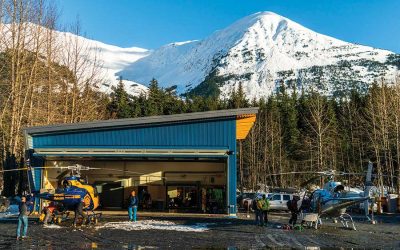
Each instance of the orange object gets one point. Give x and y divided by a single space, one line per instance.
243 125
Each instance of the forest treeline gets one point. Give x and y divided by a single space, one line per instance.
47 80
295 130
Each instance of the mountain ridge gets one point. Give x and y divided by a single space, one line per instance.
261 51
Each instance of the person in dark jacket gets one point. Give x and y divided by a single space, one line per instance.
22 219
79 211
132 206
294 209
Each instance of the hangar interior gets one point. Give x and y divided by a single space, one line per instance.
179 163
178 185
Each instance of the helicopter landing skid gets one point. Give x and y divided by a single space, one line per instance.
345 219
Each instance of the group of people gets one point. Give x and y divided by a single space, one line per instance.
261 207
51 209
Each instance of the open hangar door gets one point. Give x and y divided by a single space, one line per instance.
177 185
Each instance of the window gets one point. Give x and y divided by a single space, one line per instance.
276 197
286 197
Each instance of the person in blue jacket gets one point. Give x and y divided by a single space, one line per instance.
132 206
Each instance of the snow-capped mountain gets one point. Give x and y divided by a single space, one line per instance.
262 51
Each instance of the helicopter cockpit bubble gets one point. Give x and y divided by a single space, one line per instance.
338 189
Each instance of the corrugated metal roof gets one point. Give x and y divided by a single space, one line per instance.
141 121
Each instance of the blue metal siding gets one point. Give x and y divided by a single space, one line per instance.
208 134
218 134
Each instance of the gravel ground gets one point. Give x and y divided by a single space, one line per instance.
203 233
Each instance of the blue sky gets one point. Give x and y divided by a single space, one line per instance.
153 23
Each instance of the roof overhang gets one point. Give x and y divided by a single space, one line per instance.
143 121
120 152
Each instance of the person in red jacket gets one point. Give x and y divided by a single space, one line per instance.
49 211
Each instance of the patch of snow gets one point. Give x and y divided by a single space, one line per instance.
154 225
52 226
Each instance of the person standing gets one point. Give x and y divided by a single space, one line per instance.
294 210
257 211
260 206
265 208
79 211
22 219
132 206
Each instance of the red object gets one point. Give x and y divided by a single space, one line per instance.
51 207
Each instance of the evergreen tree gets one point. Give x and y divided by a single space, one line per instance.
289 116
237 99
154 104
119 107
241 100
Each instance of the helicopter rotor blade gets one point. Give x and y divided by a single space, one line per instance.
304 184
80 167
133 172
294 172
29 169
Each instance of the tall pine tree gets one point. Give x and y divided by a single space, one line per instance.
119 107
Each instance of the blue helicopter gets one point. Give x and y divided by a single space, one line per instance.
73 190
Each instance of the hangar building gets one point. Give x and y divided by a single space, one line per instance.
181 163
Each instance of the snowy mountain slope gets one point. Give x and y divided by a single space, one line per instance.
111 59
108 58
261 51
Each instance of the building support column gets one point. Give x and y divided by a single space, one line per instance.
35 176
231 184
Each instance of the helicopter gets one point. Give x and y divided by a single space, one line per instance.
74 189
71 191
334 198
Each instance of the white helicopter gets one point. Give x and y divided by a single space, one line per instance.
334 198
